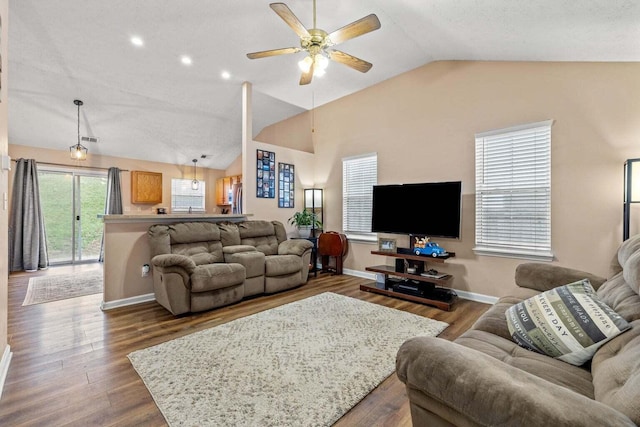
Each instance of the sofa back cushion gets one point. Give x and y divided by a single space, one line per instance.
616 365
199 240
229 233
259 234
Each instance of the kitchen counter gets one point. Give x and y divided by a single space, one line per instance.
173 217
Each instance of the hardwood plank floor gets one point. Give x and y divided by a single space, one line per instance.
70 365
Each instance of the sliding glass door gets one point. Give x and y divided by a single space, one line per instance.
71 202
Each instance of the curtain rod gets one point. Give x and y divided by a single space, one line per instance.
74 166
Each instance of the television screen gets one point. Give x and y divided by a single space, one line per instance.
430 209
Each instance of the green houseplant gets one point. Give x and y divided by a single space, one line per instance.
304 222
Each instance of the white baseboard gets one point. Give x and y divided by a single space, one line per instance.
487 299
472 296
127 301
4 366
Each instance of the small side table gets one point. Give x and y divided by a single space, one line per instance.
313 268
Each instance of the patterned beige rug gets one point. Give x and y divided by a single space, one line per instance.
54 288
301 364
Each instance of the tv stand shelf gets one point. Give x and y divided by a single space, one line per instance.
434 294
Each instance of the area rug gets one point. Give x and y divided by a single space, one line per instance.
304 363
54 288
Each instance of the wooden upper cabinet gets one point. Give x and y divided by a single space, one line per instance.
146 187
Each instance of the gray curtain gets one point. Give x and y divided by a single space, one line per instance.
27 238
113 202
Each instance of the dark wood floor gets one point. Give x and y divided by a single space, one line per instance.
69 363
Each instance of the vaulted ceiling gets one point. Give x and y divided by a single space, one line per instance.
142 102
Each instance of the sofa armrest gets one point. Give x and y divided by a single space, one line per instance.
234 249
174 260
542 277
294 247
491 392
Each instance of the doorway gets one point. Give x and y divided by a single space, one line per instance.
71 202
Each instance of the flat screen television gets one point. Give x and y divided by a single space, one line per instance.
431 209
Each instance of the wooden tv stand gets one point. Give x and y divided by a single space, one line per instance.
432 283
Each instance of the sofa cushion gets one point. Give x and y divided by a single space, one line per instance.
268 245
494 319
618 295
279 265
229 233
569 322
209 252
216 276
616 373
189 232
259 234
574 378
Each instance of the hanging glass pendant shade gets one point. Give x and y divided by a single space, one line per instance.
195 184
78 151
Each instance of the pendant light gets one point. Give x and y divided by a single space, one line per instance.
195 184
78 151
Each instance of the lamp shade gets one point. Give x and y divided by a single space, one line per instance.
313 198
195 184
78 151
631 193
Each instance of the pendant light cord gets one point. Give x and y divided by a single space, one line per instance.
78 123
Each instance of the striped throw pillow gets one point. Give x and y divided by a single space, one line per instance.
569 323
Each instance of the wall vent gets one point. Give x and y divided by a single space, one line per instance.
89 139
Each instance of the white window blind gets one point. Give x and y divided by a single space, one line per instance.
513 192
359 175
184 197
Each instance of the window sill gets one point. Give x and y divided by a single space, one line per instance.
362 238
512 253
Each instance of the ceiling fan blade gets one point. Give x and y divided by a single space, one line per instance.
292 20
273 52
349 60
357 28
305 78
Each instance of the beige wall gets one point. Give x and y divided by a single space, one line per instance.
263 208
4 176
168 171
422 126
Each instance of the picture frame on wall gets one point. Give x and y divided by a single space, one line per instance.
286 185
266 174
386 245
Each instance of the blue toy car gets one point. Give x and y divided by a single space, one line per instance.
432 249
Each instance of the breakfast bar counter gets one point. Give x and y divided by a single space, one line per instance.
126 252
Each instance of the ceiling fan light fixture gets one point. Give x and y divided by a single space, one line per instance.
321 62
315 42
305 64
78 151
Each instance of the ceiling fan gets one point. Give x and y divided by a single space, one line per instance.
318 43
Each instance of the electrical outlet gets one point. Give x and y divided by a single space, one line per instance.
145 270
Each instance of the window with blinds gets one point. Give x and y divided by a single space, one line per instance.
513 192
184 197
359 175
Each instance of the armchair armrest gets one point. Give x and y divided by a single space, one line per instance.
490 392
294 247
174 260
542 277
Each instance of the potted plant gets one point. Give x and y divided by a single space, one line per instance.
304 222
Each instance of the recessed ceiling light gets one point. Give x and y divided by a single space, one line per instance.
137 41
186 60
226 75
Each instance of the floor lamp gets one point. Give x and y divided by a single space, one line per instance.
313 204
